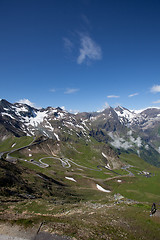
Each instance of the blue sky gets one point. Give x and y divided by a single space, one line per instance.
80 54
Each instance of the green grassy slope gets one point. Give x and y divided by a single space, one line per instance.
30 194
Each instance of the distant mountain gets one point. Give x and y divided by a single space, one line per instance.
121 129
145 122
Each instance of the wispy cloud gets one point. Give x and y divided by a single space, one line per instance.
155 89
89 50
113 96
86 21
158 101
134 94
74 111
71 90
106 105
28 102
68 44
63 108
52 90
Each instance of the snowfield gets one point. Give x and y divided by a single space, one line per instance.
34 121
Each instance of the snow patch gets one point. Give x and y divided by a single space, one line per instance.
37 119
46 134
125 113
79 126
71 179
137 141
60 115
49 126
119 181
9 115
70 123
85 125
141 110
108 166
13 145
94 118
138 152
21 109
56 135
104 155
102 189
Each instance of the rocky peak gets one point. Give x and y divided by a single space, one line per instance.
5 104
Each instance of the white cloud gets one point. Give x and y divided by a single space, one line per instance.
158 101
26 101
63 108
155 89
106 105
71 90
146 147
74 111
129 132
134 94
137 141
119 142
68 44
89 50
52 90
85 20
112 96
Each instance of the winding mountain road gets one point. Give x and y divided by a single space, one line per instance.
65 162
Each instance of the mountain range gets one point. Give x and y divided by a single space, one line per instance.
90 175
119 129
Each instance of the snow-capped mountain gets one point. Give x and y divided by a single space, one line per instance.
20 119
143 118
123 129
146 122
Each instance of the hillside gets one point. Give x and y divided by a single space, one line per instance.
119 128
